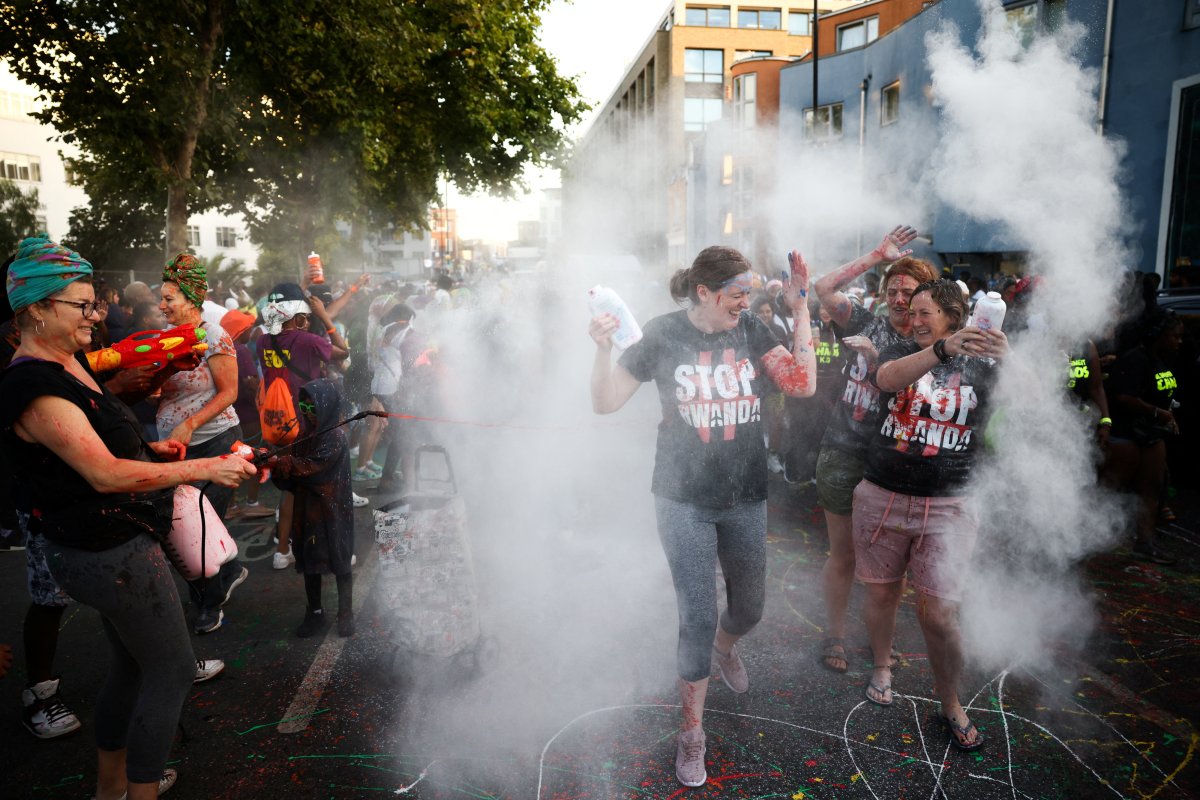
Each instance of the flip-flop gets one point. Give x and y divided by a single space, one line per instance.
834 650
879 690
956 732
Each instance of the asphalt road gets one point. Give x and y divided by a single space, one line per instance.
343 718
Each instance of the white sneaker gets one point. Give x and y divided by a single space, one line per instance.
359 500
353 559
689 757
207 669
46 716
283 560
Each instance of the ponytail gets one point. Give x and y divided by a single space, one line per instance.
713 267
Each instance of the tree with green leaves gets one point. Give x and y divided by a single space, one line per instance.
297 113
18 216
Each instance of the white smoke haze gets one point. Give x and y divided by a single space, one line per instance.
1019 149
573 584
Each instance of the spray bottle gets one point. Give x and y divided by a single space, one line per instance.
989 312
316 273
602 300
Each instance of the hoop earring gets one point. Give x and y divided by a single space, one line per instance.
39 327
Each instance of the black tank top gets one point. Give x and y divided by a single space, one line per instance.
61 504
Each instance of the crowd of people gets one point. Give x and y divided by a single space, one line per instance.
878 391
874 389
92 458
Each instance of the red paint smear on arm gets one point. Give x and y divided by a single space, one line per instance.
794 378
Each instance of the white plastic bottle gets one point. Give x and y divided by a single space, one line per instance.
989 312
602 300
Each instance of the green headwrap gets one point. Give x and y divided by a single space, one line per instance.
40 269
190 275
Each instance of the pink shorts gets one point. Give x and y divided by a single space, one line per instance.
931 536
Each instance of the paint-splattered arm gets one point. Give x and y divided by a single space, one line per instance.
795 373
829 288
61 426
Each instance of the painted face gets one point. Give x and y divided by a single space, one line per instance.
899 295
929 322
725 306
66 319
175 307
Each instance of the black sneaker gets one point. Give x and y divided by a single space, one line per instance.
208 620
1152 552
314 622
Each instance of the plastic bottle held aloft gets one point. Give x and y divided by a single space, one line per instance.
989 312
316 273
602 300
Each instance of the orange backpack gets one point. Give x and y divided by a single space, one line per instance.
276 411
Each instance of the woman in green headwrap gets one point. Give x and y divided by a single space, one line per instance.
196 410
103 499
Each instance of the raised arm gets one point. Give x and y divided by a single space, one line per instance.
795 372
611 386
829 288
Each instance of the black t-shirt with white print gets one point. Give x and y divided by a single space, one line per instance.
932 429
857 413
710 441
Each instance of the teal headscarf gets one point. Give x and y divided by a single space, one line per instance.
41 269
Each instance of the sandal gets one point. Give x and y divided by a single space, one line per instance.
832 652
960 736
881 692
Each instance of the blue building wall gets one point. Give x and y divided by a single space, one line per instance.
1149 52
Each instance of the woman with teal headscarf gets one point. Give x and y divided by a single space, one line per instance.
103 499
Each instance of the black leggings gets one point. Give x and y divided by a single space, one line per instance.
152 661
345 590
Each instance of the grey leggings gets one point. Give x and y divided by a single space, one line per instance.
152 662
694 538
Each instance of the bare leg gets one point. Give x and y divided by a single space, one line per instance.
143 791
939 623
286 505
1151 474
882 601
110 779
837 579
725 641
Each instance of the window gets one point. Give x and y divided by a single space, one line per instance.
799 23
193 235
1183 224
1191 15
889 104
762 20
708 17
745 97
704 66
16 106
857 34
698 112
72 177
226 237
828 122
20 167
39 224
740 54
